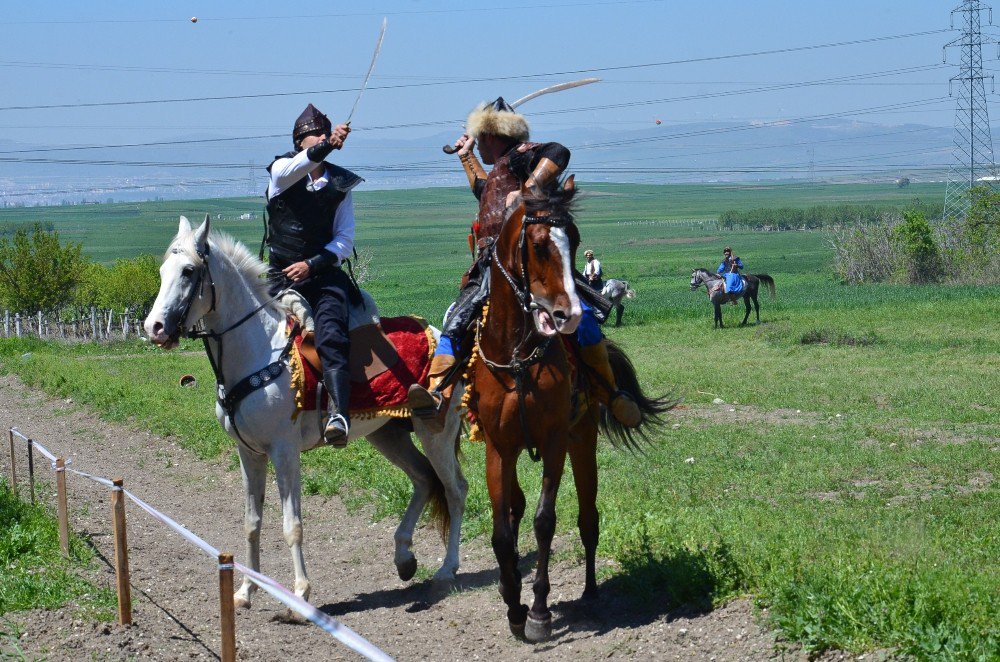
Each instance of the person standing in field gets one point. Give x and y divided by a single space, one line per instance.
592 272
502 136
310 234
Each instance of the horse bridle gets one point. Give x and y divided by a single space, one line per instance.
518 367
228 399
523 293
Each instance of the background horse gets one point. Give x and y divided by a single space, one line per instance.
218 281
614 291
751 285
522 396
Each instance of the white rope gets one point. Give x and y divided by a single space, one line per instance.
41 449
338 630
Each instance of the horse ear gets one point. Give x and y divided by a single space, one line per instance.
570 183
185 226
201 234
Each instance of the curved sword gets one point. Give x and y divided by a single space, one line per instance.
371 68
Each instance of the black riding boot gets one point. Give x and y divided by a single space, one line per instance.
338 385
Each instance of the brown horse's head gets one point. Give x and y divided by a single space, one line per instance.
535 253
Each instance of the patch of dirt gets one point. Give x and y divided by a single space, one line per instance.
349 558
731 413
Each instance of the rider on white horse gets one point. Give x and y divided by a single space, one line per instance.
310 234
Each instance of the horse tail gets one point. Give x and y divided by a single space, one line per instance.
652 408
439 513
768 282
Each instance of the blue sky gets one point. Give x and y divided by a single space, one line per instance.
63 52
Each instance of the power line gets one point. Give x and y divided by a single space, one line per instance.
714 58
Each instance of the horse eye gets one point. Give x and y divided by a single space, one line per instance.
187 272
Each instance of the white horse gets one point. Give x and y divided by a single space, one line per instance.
614 291
218 281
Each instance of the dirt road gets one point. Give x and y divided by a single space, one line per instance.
350 566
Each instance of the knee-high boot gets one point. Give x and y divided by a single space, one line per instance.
620 403
338 385
429 404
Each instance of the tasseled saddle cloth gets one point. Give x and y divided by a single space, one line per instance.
388 355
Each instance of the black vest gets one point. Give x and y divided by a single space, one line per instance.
300 221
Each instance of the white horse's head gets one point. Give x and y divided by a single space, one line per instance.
186 289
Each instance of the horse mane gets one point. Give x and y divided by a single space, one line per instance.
246 264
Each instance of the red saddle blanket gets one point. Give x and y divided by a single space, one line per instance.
378 388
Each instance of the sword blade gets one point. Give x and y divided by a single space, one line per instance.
371 68
555 88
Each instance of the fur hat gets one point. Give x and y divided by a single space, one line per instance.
498 119
310 120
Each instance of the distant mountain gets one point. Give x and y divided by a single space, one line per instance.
831 150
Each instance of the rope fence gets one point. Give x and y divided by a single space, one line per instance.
226 564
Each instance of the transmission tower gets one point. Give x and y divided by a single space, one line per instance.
972 163
251 177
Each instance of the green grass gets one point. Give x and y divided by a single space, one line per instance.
853 492
35 573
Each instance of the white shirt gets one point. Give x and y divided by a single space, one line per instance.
593 268
286 172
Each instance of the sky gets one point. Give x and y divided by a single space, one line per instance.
153 72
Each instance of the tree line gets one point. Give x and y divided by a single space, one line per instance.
40 273
819 216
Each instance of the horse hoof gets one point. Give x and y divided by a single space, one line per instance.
590 593
241 603
517 629
538 630
407 569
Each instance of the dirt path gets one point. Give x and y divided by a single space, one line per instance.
350 567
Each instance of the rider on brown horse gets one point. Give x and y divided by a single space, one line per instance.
502 135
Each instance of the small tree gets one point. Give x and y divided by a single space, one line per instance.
37 272
131 283
915 237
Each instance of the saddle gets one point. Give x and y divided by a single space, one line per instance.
387 356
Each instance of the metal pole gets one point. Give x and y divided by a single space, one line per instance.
61 505
121 553
31 468
13 464
227 608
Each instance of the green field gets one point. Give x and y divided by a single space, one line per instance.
853 491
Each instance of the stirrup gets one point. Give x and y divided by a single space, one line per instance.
336 435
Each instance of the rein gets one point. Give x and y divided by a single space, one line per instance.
518 367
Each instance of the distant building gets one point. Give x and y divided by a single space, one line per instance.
248 216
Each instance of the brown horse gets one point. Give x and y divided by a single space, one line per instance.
522 396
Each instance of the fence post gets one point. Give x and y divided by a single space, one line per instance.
17 324
6 324
41 329
13 464
93 323
31 468
121 553
61 505
125 325
111 318
227 608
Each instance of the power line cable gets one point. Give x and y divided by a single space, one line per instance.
713 58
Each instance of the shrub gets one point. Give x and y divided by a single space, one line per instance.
919 249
